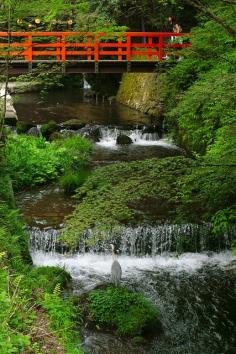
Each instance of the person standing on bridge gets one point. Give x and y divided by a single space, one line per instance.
169 27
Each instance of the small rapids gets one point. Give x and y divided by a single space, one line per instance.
142 240
138 136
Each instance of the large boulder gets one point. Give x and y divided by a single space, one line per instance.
123 139
73 124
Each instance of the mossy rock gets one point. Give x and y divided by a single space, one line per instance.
73 124
49 128
56 136
123 139
23 127
126 312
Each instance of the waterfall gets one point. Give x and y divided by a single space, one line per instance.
137 135
139 240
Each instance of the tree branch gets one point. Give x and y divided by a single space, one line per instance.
209 13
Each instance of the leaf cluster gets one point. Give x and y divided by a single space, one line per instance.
127 312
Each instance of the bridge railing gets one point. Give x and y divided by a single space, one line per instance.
69 46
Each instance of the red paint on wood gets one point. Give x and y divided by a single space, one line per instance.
93 46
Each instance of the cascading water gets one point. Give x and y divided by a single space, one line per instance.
142 240
138 136
194 291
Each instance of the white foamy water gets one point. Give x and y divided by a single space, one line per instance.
110 135
90 265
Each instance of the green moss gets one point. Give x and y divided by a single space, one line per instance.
120 309
142 92
111 195
48 128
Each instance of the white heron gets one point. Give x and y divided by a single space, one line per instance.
116 270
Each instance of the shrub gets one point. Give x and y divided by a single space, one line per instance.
47 278
63 317
48 128
72 180
32 161
127 312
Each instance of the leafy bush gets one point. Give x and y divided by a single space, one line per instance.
33 161
72 180
127 312
47 278
63 319
48 128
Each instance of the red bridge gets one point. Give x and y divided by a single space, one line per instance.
83 52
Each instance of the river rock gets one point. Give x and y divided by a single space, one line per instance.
48 128
153 129
55 136
91 132
73 124
123 139
34 131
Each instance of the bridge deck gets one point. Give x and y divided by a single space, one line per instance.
78 52
73 67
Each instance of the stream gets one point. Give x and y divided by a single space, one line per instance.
195 292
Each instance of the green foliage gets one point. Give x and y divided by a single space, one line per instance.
63 318
199 91
127 312
108 198
73 180
47 278
48 128
50 78
23 288
209 104
74 152
33 161
13 240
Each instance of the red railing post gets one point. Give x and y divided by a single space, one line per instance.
128 47
89 56
119 49
96 48
161 42
149 48
29 45
63 47
58 48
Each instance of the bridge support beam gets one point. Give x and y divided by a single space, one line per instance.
74 67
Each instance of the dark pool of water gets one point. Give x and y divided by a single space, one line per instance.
62 105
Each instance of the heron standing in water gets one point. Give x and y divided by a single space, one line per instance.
116 270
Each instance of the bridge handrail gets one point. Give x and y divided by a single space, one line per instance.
127 46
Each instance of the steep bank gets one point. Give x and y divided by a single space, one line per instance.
142 92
